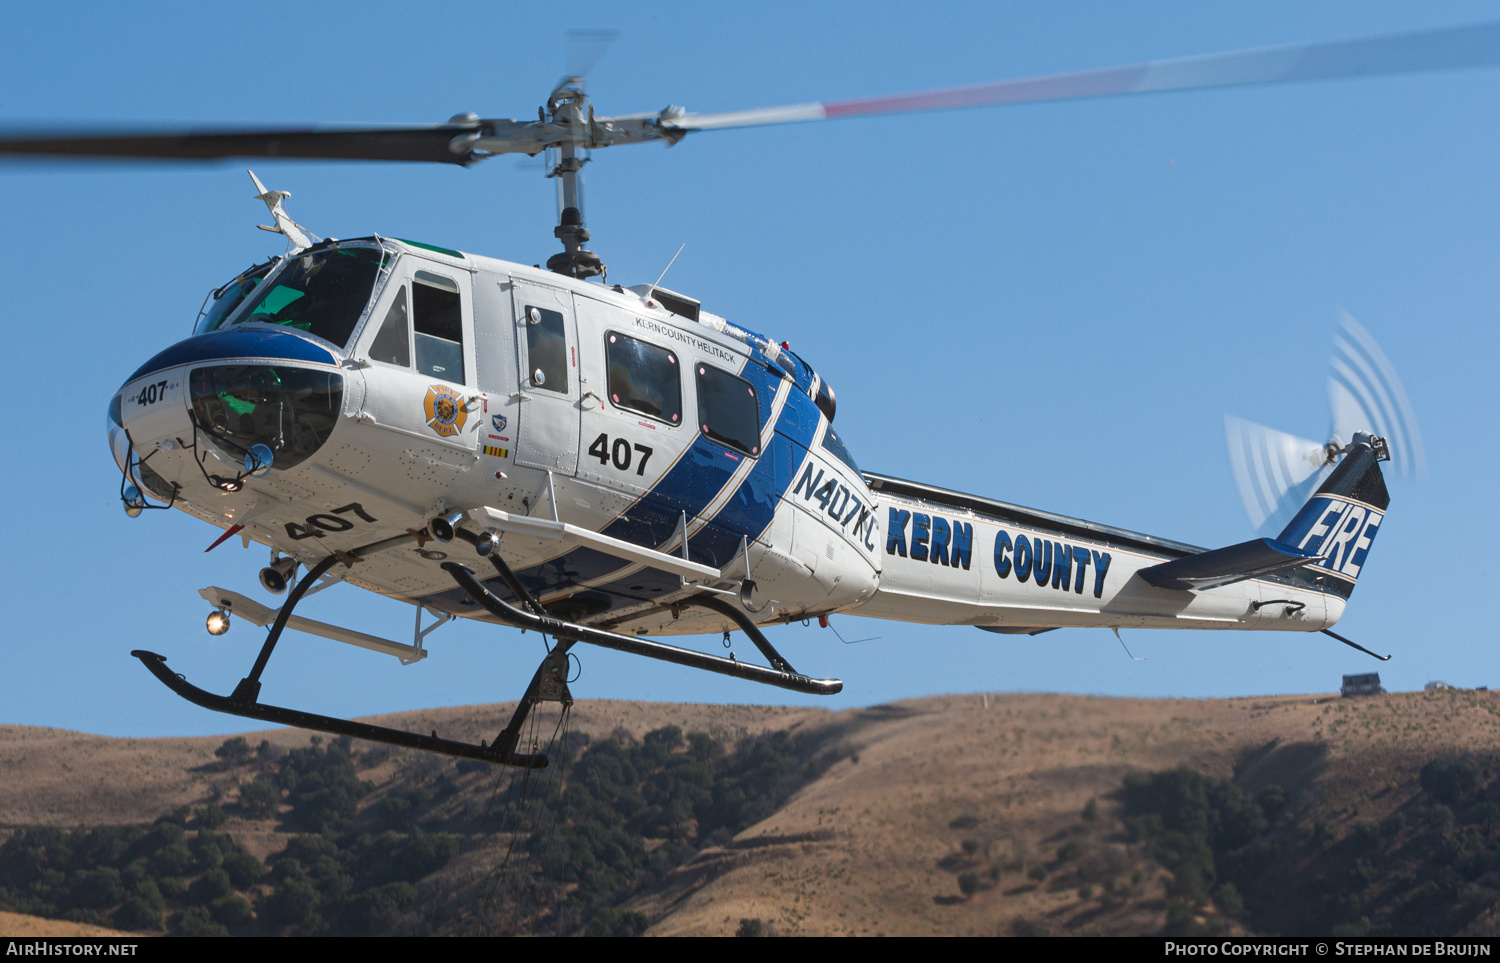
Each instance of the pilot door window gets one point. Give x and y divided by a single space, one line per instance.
644 378
728 411
546 350
392 344
437 319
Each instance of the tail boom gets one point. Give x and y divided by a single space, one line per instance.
957 559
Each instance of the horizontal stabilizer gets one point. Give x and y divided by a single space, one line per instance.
1260 556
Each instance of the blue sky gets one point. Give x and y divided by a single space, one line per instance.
1053 305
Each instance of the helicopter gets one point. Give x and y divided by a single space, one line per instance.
541 440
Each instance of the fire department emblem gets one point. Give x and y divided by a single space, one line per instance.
445 411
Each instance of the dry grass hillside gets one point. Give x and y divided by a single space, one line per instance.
956 815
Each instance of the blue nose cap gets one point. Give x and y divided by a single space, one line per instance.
239 343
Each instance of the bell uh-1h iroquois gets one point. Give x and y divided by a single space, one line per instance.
607 464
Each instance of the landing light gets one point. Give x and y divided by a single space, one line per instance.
274 577
218 622
258 460
487 543
135 502
444 527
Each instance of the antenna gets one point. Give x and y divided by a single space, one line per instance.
1133 658
669 266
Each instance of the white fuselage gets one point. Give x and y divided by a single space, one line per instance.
467 383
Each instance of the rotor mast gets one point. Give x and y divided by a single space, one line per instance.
567 107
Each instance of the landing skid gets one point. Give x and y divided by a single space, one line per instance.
339 727
548 684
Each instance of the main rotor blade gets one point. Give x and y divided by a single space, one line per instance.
585 48
1447 49
429 143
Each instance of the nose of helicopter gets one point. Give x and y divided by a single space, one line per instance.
252 398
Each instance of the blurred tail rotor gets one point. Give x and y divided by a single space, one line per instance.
1274 471
1277 472
1366 395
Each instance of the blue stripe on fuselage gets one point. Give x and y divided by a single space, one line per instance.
689 486
748 512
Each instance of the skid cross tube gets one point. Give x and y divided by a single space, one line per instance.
516 586
249 688
495 755
511 615
748 627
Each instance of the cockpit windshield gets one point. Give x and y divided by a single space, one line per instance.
230 296
321 292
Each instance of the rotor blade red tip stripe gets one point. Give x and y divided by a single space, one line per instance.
1448 49
1093 83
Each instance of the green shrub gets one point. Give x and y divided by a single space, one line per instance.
1182 921
376 909
322 787
139 914
231 910
195 922
293 903
750 927
209 849
96 888
234 751
211 816
244 870
211 886
1227 898
1192 823
615 922
173 860
1272 800
1452 781
259 799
